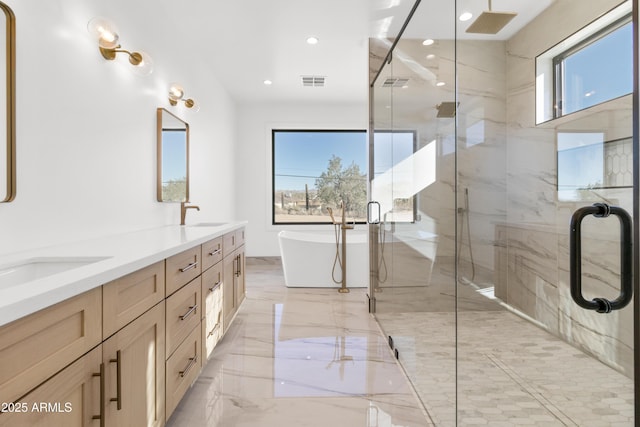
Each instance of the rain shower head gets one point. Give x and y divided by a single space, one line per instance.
490 22
447 109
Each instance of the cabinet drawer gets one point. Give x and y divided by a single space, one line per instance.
211 253
212 325
183 314
183 368
34 348
211 280
240 237
130 296
73 392
182 268
229 243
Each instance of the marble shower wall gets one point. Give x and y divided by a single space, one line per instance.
480 139
518 221
532 255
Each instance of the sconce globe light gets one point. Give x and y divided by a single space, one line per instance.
176 94
107 36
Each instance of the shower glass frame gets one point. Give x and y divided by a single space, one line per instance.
486 197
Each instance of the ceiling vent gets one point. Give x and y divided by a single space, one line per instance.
313 81
395 82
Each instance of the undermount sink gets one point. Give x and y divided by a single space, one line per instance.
36 268
208 224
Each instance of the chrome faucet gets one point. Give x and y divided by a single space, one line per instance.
183 211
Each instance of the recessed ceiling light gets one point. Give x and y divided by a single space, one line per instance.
431 56
465 16
312 40
267 82
428 42
440 84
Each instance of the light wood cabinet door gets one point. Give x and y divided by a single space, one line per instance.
212 323
128 297
228 290
69 399
135 372
240 277
34 348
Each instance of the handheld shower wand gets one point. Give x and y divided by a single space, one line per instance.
333 220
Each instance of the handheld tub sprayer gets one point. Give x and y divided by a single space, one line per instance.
337 260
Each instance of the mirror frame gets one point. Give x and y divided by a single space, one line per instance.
159 112
10 82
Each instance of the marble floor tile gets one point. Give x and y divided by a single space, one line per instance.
313 357
504 371
300 357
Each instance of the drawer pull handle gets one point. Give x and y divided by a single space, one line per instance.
191 310
215 285
192 361
102 385
118 398
216 252
189 267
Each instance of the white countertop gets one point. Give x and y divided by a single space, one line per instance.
123 253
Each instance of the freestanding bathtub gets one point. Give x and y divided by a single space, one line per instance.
307 258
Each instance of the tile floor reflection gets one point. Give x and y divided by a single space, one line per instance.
300 357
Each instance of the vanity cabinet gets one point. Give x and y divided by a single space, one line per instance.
124 353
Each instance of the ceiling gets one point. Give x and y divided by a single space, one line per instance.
250 41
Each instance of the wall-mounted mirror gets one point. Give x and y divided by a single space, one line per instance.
173 158
7 105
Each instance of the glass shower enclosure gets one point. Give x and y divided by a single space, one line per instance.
502 194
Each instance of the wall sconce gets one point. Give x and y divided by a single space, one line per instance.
107 35
176 94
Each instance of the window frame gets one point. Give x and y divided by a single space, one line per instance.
558 65
273 169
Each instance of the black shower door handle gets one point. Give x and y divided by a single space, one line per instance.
602 305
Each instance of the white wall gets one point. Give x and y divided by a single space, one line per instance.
253 177
86 139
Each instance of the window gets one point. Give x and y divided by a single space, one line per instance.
597 69
318 169
395 182
592 66
586 161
